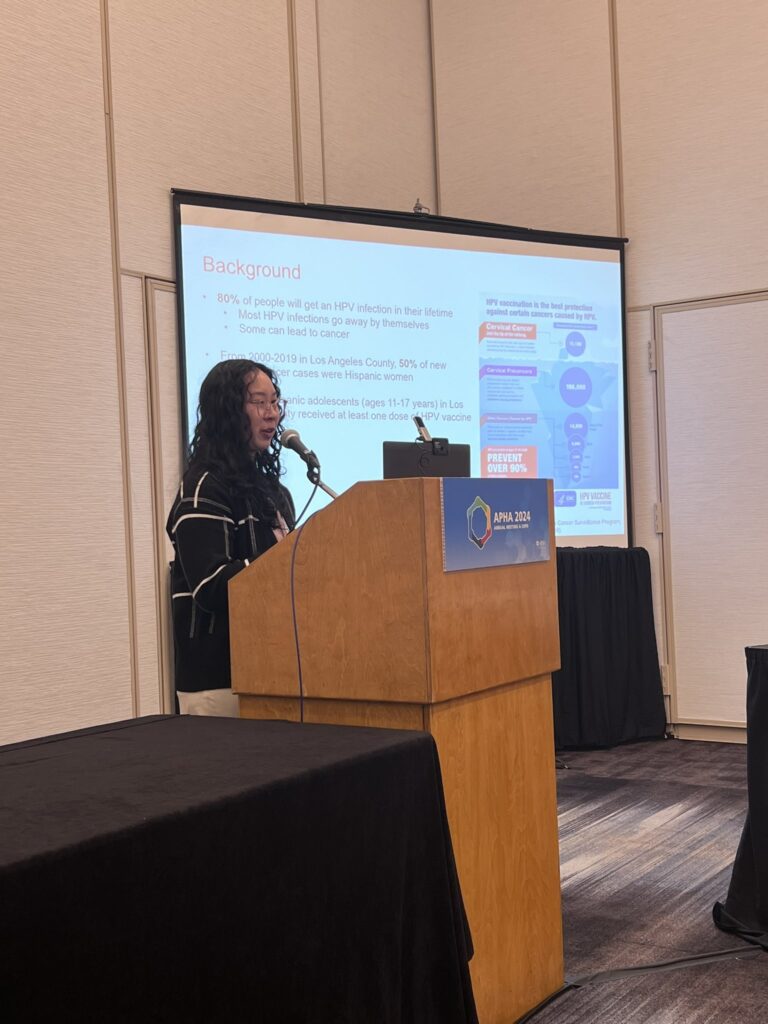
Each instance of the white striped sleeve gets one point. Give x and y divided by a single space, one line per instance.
200 515
207 579
202 531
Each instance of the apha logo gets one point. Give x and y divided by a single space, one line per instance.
479 528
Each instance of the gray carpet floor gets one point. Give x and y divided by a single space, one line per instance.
648 834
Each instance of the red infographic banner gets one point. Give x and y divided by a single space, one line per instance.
509 461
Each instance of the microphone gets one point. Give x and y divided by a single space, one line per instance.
292 439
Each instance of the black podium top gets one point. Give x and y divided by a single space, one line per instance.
208 869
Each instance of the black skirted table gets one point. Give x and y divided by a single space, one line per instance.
745 911
608 690
204 869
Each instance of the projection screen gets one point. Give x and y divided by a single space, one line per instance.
506 339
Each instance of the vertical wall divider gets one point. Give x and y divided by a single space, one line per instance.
120 357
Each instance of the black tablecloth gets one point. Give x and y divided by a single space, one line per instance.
746 908
185 869
608 690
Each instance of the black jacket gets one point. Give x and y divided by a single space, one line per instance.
215 533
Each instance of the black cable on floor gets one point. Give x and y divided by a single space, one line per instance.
696 960
545 1002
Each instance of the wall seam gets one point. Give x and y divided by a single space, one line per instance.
120 356
320 100
433 77
616 103
298 158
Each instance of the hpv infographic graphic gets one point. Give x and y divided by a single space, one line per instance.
550 389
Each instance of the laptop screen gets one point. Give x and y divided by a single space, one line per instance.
425 458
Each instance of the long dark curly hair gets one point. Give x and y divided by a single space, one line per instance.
221 442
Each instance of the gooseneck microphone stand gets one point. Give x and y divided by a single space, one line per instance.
313 475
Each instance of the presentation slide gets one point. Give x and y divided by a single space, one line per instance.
511 346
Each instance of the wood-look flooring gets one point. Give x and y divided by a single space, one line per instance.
648 834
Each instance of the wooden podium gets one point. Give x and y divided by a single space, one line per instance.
384 637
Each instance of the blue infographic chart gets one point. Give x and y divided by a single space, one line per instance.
514 348
551 389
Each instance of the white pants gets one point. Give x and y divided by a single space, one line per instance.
220 703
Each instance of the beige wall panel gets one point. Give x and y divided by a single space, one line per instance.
524 113
694 80
202 100
715 365
376 103
643 455
143 536
64 646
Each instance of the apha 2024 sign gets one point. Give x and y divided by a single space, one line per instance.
494 522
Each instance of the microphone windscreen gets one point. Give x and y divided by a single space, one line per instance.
291 439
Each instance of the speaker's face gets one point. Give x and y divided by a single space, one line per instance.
262 409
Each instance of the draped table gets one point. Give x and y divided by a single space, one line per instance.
209 869
608 690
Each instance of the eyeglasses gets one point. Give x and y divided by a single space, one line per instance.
263 406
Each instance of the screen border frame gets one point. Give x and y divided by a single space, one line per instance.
398 219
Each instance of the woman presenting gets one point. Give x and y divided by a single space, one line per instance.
230 508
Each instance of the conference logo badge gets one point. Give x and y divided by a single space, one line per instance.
479 523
